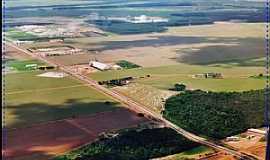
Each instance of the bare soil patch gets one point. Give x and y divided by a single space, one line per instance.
12 53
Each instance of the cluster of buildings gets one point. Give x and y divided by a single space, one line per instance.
250 135
56 51
60 53
49 30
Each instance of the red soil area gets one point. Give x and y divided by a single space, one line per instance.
48 140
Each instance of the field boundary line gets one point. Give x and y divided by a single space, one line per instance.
45 89
76 124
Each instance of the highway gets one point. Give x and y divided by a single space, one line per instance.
137 107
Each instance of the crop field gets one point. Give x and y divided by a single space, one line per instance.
16 34
235 78
21 65
194 153
31 99
147 95
45 141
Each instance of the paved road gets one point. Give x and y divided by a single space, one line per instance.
137 107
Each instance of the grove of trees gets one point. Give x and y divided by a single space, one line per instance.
216 114
133 145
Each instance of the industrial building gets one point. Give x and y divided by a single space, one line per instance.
103 66
99 65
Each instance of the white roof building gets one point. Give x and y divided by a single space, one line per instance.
257 131
98 65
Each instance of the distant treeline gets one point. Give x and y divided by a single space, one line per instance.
216 115
116 82
133 145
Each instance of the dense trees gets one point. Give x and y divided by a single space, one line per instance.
127 65
179 87
133 145
216 115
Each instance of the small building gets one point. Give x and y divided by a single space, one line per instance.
116 67
45 67
213 75
208 75
20 42
31 66
258 131
99 66
232 139
198 76
75 50
56 40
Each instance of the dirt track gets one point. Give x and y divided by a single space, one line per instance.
47 140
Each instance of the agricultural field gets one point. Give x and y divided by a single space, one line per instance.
147 95
21 65
164 77
30 99
17 34
194 153
47 140
179 45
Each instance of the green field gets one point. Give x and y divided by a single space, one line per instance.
21 65
17 34
190 154
30 99
235 78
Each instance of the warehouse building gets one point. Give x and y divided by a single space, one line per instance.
99 66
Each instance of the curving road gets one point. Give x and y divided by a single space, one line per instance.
137 107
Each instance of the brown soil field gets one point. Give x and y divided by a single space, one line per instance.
250 146
258 150
45 141
10 52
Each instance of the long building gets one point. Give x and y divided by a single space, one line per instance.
99 66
